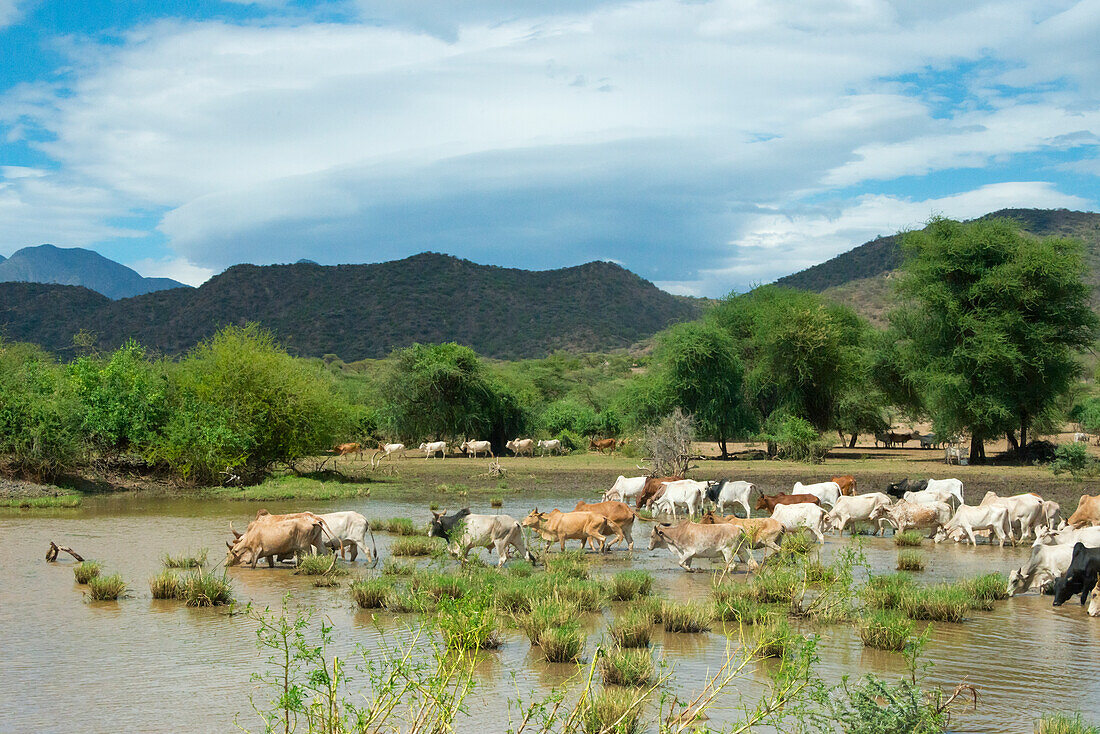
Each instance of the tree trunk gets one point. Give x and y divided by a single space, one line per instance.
977 450
1023 430
722 446
773 449
852 443
1010 436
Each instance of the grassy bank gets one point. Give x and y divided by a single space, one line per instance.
42 503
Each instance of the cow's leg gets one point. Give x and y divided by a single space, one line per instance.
840 529
748 512
1090 582
628 533
502 550
818 534
970 534
1000 533
685 562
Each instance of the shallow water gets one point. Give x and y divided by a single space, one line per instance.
147 665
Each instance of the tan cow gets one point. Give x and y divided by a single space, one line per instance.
921 515
653 489
689 540
618 512
762 532
583 526
1087 512
272 536
847 484
520 446
602 445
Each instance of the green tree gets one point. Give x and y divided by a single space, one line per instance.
698 371
991 326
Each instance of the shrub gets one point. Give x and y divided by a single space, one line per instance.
205 589
871 706
1064 724
468 624
909 560
910 538
817 573
775 638
1071 457
319 565
611 711
393 567
796 545
631 629
371 593
182 561
796 439
629 585
687 617
941 603
562 644
165 585
106 588
887 591
885 630
85 571
416 546
626 668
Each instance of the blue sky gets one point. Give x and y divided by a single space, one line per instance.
706 146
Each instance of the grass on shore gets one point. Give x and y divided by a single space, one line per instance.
42 503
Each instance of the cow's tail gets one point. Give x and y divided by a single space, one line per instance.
374 546
527 554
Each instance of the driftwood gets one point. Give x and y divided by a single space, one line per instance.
51 554
496 471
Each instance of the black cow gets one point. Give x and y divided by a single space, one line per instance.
442 527
1080 577
898 489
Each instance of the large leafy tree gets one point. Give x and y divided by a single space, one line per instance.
991 326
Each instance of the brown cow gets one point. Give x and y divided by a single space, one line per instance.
583 526
602 444
761 531
847 484
277 536
618 512
653 489
768 503
1087 512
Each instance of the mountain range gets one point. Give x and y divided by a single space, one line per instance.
360 311
77 266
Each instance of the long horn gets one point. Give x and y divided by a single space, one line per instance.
235 533
228 545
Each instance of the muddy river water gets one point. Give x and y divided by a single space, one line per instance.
144 665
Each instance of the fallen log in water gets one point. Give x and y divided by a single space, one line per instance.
51 554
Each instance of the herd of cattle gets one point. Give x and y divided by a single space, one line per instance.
1065 555
474 449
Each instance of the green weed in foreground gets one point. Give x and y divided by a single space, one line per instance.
408 601
798 544
629 585
733 605
611 711
689 617
626 667
183 561
393 567
165 585
206 589
910 538
1061 723
416 546
85 571
106 588
885 630
587 596
775 638
468 624
910 560
371 593
562 644
632 629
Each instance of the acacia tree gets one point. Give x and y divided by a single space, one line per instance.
992 325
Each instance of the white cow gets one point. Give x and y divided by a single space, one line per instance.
1052 515
1080 438
520 446
1090 536
953 487
1024 511
348 530
433 448
391 448
969 518
802 515
724 494
550 446
464 531
858 508
927 496
685 492
1047 562
827 492
477 447
689 540
625 488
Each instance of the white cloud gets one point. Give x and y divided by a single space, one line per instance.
9 12
174 268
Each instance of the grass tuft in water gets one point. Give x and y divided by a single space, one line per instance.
106 588
775 638
626 668
393 567
398 526
325 565
165 585
545 614
939 603
587 596
410 602
735 603
611 711
516 596
819 574
1061 723
885 630
520 569
496 502
987 587
776 585
181 561
371 593
886 591
797 544
85 571
910 560
910 538
688 617
468 624
629 585
563 644
632 629
439 586
416 546
206 589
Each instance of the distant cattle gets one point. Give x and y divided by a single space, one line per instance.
477 447
1080 438
602 445
520 446
550 446
433 448
929 441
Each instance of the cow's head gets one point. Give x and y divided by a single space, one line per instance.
238 554
1044 536
897 489
534 519
1094 602
709 518
658 539
1065 587
762 503
1015 582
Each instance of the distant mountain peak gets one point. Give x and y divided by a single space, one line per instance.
76 266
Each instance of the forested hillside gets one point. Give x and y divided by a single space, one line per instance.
362 311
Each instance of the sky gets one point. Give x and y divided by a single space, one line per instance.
706 145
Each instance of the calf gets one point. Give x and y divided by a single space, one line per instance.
1080 576
618 512
583 526
1087 512
1024 510
685 492
802 515
689 541
923 516
1047 562
463 531
769 503
898 489
725 493
969 518
847 484
827 492
857 509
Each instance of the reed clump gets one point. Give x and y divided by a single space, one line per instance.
611 711
520 569
778 584
908 539
440 586
398 526
468 624
939 603
206 589
797 545
688 617
631 667
408 601
106 588
885 630
563 644
570 564
987 587
587 596
371 593
1061 723
887 591
393 567
186 561
416 546
85 571
735 603
632 629
910 560
629 585
545 614
165 585
775 638
496 502
323 565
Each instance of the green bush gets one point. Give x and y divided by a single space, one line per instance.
735 602
940 603
796 439
587 596
1071 457
872 706
987 587
887 591
240 403
319 565
206 589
